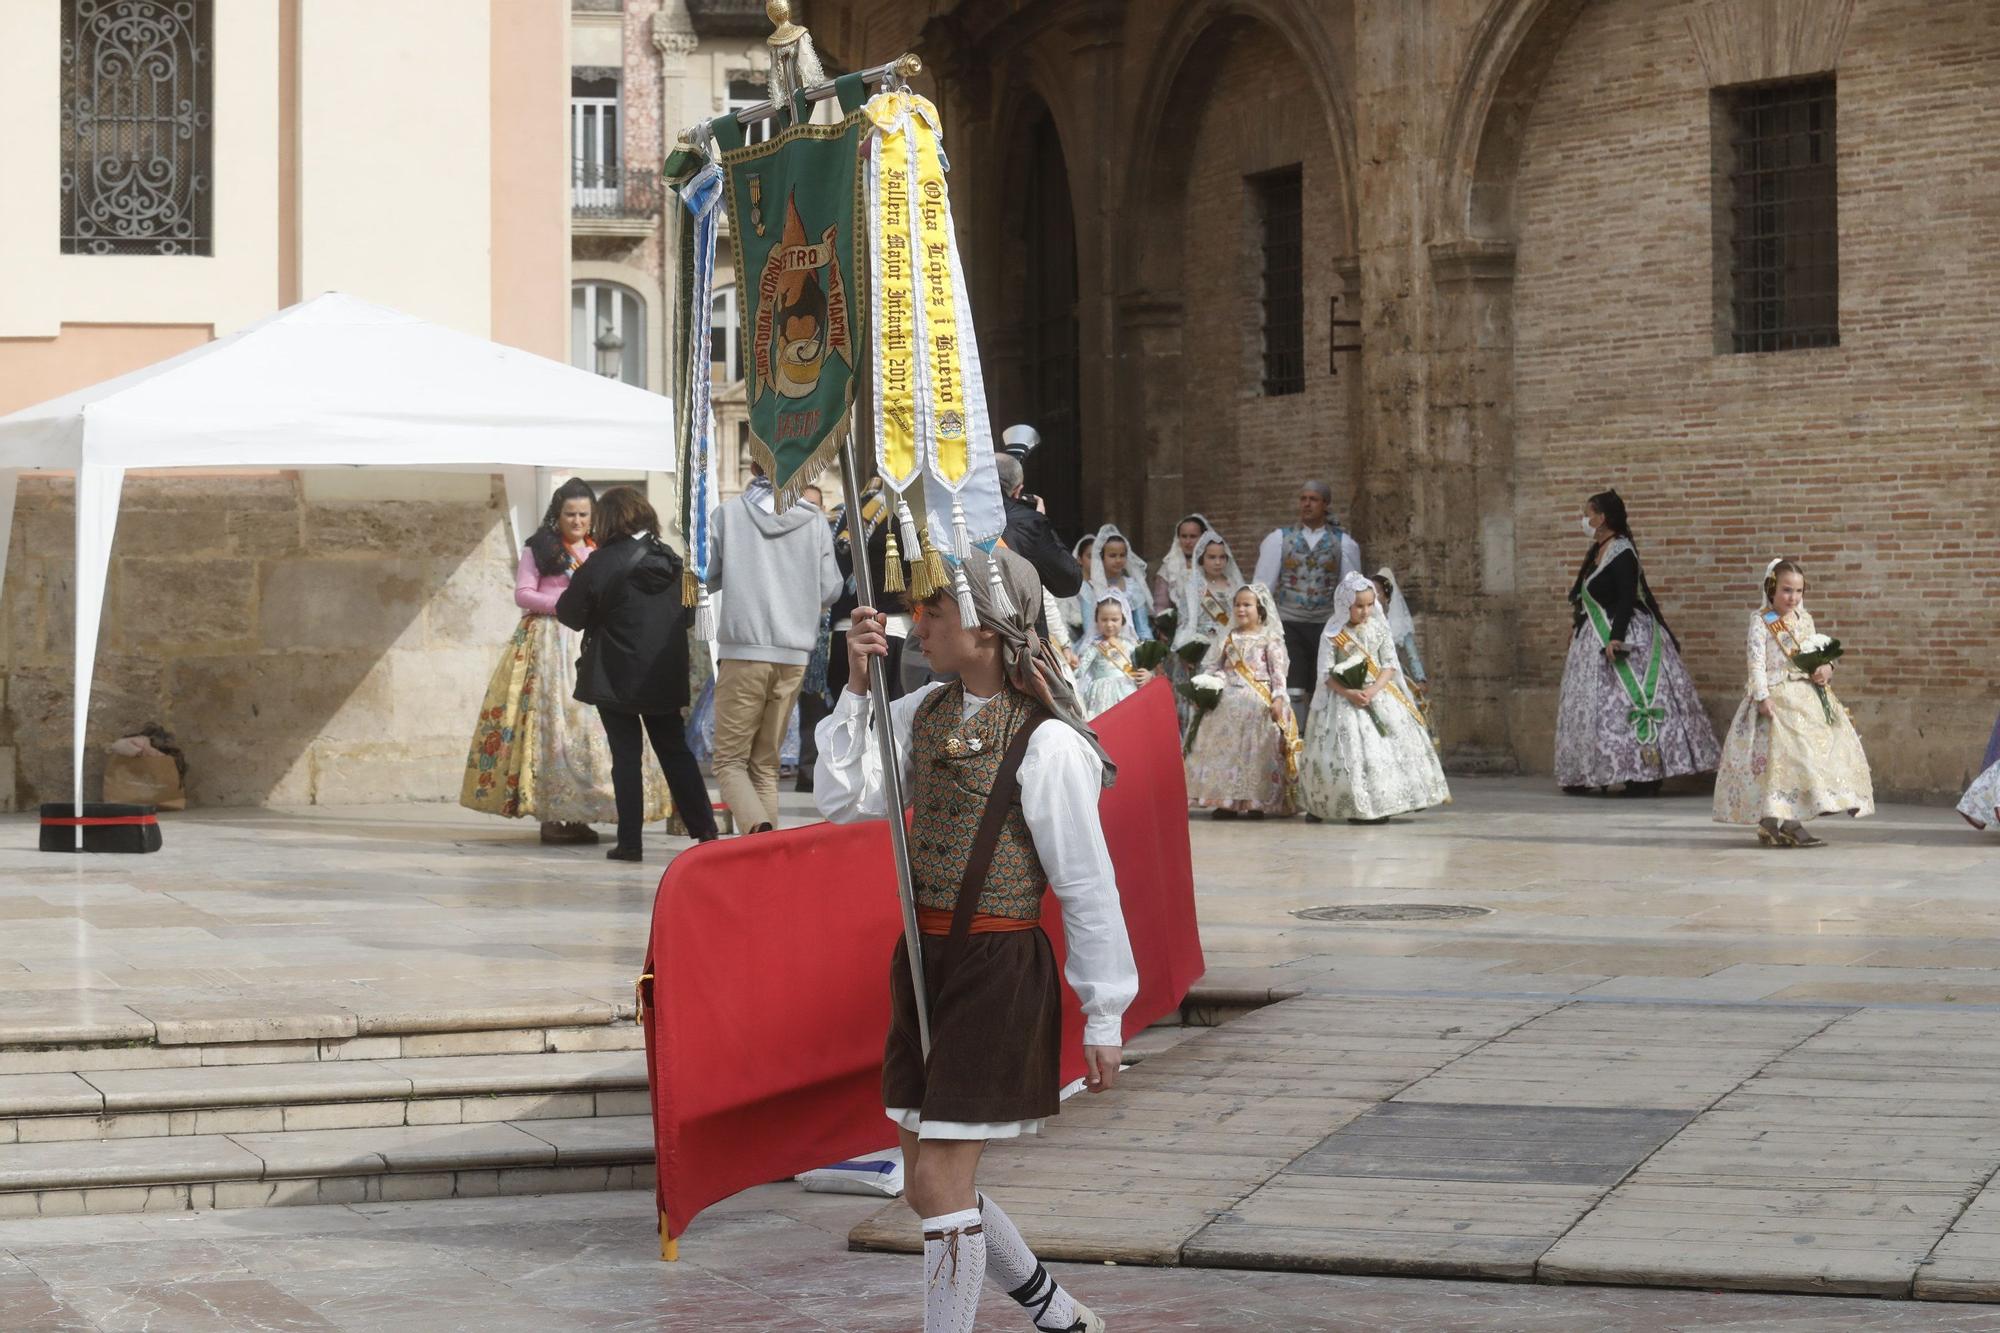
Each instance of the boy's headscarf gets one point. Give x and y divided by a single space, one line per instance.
1028 661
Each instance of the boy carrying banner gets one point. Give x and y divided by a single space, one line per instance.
1004 779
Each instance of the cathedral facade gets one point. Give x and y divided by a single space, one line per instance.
1471 261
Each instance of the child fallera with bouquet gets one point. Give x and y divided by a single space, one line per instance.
1106 673
1368 754
1243 760
1792 753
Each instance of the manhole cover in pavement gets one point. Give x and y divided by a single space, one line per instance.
1391 912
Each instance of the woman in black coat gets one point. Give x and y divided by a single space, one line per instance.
627 601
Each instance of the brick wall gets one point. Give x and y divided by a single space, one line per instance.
1255 122
1875 462
301 651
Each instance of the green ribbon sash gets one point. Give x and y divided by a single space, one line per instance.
1645 716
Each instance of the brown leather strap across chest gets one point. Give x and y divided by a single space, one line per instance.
1006 784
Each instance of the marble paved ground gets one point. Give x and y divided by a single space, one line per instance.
1662 1055
414 910
770 1261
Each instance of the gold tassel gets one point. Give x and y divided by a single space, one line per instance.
921 584
690 588
892 565
934 570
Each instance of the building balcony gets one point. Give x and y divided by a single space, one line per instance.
728 18
613 199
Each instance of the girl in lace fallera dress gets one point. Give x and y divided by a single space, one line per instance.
1244 760
1201 611
1792 752
1105 674
1368 754
1629 712
1205 594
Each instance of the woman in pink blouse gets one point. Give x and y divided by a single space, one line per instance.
536 752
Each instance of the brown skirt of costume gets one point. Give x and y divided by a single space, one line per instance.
996 1031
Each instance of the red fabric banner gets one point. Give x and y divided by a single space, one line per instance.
770 959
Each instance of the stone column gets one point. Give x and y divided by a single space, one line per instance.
1436 491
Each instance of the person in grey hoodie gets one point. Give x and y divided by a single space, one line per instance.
776 573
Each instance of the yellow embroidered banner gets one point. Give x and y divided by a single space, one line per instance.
897 453
946 398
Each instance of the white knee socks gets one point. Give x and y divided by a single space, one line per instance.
1016 1270
954 1270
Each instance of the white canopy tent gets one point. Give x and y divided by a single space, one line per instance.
330 382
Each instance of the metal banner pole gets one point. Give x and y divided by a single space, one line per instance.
885 737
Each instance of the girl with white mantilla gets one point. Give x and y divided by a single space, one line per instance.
1105 674
1206 590
1244 760
1792 752
1114 565
994 1001
1178 562
1368 754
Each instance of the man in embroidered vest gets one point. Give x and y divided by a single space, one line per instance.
993 996
1303 566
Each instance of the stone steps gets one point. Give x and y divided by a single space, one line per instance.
361 1119
347 1166
65 1050
334 1094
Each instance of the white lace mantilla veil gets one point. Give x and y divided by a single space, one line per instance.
1173 566
1271 629
1194 583
1135 568
1401 624
1352 585
1090 634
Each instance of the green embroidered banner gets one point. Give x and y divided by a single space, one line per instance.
796 219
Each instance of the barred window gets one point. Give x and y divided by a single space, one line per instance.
1776 181
137 124
1277 198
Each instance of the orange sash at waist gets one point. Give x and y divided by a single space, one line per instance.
937 921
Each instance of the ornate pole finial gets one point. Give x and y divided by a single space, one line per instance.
785 31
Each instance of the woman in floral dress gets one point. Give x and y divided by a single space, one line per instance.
1981 803
1629 712
1244 760
1105 674
1792 753
1368 754
536 752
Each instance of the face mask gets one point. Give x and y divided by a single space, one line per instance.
1589 527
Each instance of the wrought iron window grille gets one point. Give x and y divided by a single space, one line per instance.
1279 201
1782 223
137 127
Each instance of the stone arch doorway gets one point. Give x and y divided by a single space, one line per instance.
1238 91
1036 342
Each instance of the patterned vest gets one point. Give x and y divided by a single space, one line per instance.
952 768
1308 575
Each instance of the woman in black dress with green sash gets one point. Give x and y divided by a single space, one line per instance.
1629 712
